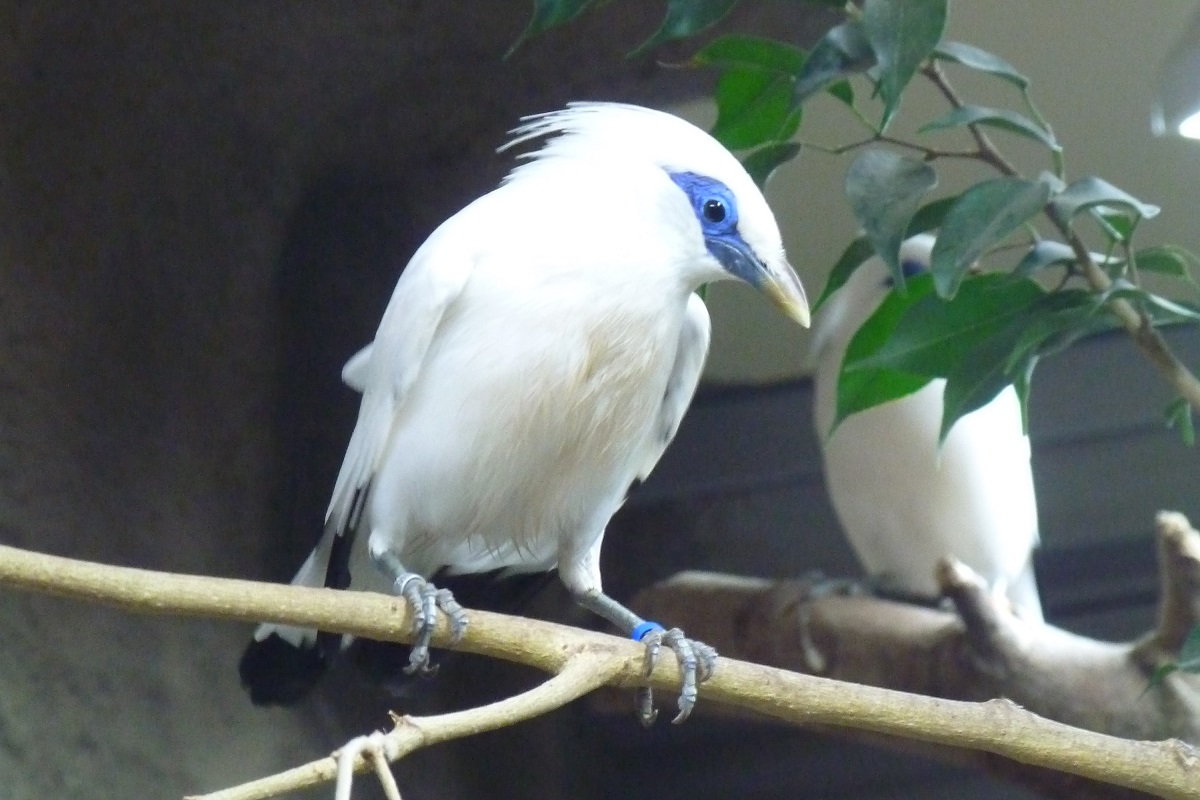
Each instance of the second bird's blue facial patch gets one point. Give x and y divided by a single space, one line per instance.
911 269
716 211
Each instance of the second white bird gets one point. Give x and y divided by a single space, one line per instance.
903 502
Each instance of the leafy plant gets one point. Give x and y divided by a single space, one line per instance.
1041 286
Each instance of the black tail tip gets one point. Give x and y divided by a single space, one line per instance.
276 672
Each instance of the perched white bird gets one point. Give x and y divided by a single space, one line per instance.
535 360
903 502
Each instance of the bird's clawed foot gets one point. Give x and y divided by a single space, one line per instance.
425 599
697 662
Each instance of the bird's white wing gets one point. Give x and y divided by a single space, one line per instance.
681 385
354 373
385 370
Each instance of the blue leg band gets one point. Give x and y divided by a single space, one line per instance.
645 629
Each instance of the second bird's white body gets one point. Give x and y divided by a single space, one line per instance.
903 502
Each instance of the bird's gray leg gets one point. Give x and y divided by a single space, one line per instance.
697 661
425 599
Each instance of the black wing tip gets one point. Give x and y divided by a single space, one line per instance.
277 672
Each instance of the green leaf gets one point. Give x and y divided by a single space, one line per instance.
1117 226
738 50
975 382
885 190
1179 416
1091 191
1161 310
984 215
843 91
1021 384
1189 653
1101 220
1167 259
930 216
1054 323
996 118
841 52
754 93
936 335
1053 181
855 254
902 34
1046 253
981 61
546 15
1189 657
860 389
1160 674
685 18
762 163
754 106
978 342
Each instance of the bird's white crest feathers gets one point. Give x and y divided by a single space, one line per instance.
591 130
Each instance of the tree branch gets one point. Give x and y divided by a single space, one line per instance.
583 671
1169 769
988 152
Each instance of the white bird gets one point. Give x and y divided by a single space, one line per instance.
903 502
535 360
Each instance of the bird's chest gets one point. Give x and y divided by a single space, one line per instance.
601 386
557 383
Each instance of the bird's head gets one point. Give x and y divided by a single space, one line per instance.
740 234
849 307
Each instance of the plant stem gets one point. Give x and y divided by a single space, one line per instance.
987 151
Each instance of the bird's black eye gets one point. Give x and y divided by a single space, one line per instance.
713 210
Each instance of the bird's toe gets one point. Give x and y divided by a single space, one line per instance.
422 598
685 653
646 712
697 663
454 612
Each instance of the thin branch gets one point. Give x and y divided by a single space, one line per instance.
929 153
584 670
1170 769
988 152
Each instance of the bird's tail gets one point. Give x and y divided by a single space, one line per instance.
283 663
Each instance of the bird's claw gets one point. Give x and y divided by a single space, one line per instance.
646 711
425 599
697 663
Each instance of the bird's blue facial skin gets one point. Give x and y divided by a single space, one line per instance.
910 268
717 213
